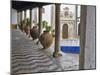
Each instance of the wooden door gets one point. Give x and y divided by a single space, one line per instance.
65 31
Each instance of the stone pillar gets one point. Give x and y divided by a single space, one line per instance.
30 18
57 30
82 36
21 15
40 19
90 44
87 59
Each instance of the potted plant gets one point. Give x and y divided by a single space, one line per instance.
46 38
21 25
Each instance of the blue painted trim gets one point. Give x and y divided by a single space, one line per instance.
70 49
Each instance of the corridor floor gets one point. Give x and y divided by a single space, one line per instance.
27 57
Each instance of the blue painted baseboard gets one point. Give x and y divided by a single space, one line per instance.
70 49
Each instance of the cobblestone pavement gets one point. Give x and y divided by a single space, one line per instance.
27 57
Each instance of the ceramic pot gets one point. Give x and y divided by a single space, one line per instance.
34 32
21 27
27 30
46 39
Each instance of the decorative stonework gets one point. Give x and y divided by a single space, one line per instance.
66 17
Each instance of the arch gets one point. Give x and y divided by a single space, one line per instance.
65 31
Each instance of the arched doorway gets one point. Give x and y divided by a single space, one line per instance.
65 31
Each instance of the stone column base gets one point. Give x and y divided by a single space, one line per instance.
57 54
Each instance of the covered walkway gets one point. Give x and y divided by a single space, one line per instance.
27 57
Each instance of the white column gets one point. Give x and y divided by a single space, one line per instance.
87 59
90 58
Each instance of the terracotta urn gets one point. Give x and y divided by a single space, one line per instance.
20 27
46 39
27 29
34 32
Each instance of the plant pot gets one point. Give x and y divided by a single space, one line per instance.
46 39
27 29
34 33
22 27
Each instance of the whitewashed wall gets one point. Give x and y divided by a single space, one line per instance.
90 38
13 16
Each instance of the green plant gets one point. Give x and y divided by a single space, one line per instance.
46 26
28 22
